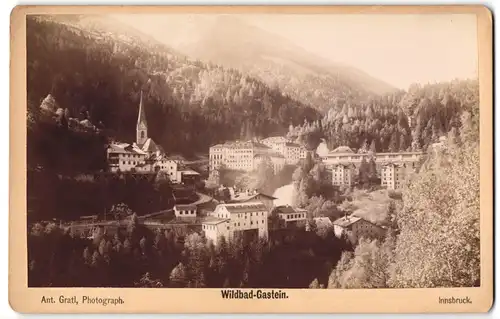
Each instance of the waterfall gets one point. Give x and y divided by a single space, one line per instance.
284 195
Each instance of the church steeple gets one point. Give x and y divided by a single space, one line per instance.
142 126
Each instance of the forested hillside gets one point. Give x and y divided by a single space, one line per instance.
434 238
137 256
190 105
404 120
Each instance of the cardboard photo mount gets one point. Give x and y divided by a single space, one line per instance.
169 300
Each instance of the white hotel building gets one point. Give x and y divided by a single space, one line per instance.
246 155
393 176
345 155
238 218
243 156
343 174
292 152
393 167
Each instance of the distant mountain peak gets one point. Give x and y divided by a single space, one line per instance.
232 42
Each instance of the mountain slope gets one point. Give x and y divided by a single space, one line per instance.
305 76
406 120
98 73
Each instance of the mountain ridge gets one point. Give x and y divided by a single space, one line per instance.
100 73
234 43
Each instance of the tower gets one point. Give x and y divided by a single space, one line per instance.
142 126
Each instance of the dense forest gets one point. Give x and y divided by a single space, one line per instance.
68 197
141 257
400 121
189 104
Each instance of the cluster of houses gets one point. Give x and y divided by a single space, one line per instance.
343 163
145 156
252 214
249 212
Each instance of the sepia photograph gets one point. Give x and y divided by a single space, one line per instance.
253 152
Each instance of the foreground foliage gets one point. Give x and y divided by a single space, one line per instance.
136 256
435 237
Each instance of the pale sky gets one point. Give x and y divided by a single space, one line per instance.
398 49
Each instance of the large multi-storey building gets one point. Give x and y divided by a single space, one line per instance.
277 160
229 220
277 143
393 167
142 156
252 196
342 174
292 152
243 156
345 155
393 176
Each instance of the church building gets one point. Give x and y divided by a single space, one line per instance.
142 156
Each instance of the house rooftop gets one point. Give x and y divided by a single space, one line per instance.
189 172
158 157
342 149
243 145
292 144
151 147
346 221
184 207
210 220
286 209
268 152
235 208
125 148
242 197
275 139
183 221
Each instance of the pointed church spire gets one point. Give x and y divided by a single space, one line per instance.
142 126
142 115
